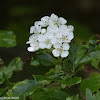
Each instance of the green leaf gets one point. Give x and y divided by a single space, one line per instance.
76 52
89 95
73 98
2 90
34 62
76 97
98 47
79 68
15 65
93 83
92 45
70 81
90 56
7 39
49 94
23 89
95 63
67 64
69 98
46 59
44 80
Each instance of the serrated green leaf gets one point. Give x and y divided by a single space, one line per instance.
49 94
92 83
89 95
23 89
44 80
15 65
70 81
7 39
46 59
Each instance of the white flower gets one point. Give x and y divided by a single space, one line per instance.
32 29
62 20
57 45
42 45
64 54
70 36
33 47
56 53
51 32
37 29
41 38
54 17
70 28
63 30
45 20
60 52
30 49
43 31
52 29
66 46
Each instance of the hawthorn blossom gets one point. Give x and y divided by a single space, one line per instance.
51 32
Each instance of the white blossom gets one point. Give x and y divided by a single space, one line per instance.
62 20
64 54
32 28
43 31
51 32
33 47
56 53
70 28
66 46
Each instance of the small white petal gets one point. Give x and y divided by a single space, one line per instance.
70 28
40 23
45 18
32 29
57 45
62 20
64 54
70 36
66 46
48 46
52 29
56 53
43 31
54 17
30 49
42 45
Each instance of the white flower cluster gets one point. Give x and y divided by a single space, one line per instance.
51 32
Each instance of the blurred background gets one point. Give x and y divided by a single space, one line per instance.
19 15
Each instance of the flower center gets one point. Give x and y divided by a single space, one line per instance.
64 38
48 41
